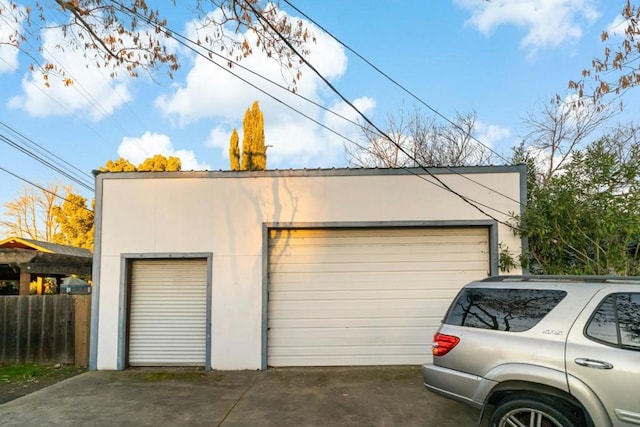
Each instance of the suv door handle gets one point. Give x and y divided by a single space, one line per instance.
595 364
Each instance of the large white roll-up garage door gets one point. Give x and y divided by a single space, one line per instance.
365 296
168 312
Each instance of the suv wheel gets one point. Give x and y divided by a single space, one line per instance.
532 410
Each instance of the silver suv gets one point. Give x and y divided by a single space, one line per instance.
542 351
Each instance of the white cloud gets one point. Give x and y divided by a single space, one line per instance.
542 160
136 150
93 93
548 23
219 137
364 104
490 134
10 28
575 114
210 91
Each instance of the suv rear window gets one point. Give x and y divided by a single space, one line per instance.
617 321
514 310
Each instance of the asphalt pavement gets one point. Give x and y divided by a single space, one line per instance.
368 396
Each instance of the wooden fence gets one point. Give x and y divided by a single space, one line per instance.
45 329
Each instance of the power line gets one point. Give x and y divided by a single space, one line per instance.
176 35
439 183
77 85
452 123
442 184
392 80
45 162
86 94
362 115
45 150
54 161
46 93
412 95
41 188
179 38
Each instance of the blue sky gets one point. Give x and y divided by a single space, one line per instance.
499 59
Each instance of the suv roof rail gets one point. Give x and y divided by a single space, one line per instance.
563 278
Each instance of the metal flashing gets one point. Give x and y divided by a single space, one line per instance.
95 276
281 173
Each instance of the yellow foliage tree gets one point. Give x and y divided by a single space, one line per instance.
160 163
75 222
39 215
254 150
157 163
234 151
120 165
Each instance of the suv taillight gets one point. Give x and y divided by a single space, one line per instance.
443 344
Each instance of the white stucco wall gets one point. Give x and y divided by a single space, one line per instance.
224 213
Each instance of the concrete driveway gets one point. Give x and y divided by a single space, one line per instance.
378 396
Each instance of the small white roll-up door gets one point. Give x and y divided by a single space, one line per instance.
365 296
168 312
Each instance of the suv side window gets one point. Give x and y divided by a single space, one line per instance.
617 321
514 310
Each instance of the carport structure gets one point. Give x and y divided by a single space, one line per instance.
22 260
245 270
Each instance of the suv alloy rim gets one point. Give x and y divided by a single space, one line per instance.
528 417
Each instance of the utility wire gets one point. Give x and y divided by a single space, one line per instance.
392 80
45 150
42 149
414 96
267 23
176 35
45 162
46 93
85 93
41 187
181 40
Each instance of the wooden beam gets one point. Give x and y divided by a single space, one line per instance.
25 281
15 256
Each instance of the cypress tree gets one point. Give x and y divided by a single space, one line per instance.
234 151
254 150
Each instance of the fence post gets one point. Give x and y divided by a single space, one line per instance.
82 322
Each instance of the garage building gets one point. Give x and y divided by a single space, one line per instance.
246 270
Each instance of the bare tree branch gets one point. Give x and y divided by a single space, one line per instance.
129 35
427 142
558 130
